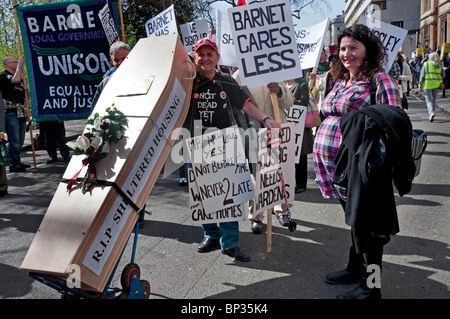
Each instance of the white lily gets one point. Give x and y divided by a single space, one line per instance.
97 123
96 142
83 142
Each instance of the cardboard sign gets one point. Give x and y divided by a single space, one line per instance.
391 36
220 169
225 41
162 24
200 216
192 32
310 43
108 24
297 114
269 189
264 42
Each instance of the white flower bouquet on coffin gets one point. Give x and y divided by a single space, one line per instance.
94 142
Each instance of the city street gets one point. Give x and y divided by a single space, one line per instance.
416 262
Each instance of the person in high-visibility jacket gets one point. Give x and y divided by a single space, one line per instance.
431 78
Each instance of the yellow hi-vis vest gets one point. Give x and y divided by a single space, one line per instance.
432 78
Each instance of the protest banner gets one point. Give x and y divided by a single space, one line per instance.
310 43
225 41
192 32
108 24
268 188
162 24
297 114
66 54
391 36
264 39
221 172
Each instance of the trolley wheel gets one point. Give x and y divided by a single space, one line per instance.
292 226
129 271
146 288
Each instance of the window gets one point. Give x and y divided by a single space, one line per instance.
397 23
380 4
426 6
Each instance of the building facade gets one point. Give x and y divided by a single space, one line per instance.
434 26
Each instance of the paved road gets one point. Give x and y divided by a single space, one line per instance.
416 263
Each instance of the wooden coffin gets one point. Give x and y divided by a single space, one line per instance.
90 230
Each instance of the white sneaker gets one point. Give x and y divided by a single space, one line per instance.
431 117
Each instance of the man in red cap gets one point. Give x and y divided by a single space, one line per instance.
214 94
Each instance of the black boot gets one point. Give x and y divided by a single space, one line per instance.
362 291
351 274
370 283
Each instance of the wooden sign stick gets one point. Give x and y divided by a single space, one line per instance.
27 93
276 112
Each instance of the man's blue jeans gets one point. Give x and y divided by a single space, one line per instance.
227 233
15 128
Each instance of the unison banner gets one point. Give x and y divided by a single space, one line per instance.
66 53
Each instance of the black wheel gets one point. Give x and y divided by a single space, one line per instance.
292 226
129 271
146 286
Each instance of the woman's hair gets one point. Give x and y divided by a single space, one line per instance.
434 57
375 52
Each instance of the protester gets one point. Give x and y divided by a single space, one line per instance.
55 136
446 67
430 80
403 78
313 74
321 84
118 53
322 67
299 88
263 100
12 88
416 67
3 177
361 55
213 111
395 72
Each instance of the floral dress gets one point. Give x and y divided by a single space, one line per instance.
342 100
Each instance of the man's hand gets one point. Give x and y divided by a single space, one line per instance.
274 87
271 123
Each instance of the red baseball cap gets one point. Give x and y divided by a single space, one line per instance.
205 41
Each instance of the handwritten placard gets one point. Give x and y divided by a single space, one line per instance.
269 190
297 114
162 24
225 41
192 32
220 169
200 216
391 36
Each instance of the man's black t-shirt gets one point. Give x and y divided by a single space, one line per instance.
210 101
12 92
